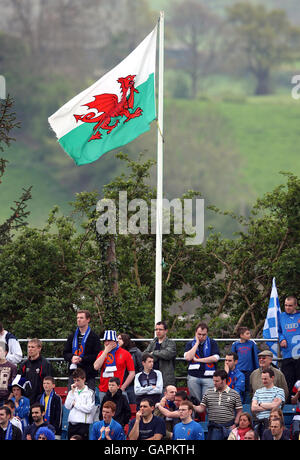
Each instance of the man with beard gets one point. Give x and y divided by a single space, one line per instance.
37 414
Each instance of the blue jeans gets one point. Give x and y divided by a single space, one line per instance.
296 429
218 432
198 386
131 394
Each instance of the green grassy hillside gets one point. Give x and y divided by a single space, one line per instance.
230 150
266 133
23 173
245 141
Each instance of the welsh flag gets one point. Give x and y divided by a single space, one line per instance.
113 111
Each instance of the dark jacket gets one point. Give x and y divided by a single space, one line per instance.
16 434
92 349
137 358
166 359
138 366
267 435
55 413
32 429
123 411
35 370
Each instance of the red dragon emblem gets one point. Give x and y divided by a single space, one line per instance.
109 106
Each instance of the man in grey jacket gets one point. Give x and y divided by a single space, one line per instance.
163 351
265 359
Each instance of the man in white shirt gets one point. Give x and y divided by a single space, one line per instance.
81 403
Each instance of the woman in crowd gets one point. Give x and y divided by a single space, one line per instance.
245 425
125 342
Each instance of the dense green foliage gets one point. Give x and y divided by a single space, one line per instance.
233 145
233 152
47 274
227 145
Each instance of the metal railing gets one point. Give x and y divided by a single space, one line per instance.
178 358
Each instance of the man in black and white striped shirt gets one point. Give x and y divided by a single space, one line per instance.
223 406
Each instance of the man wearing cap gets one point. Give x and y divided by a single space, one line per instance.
113 361
265 361
22 404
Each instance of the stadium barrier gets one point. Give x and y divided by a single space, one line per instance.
145 340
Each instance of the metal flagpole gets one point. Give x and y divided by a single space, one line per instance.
160 140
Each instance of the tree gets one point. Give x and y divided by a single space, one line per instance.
134 20
263 40
196 28
236 274
71 37
47 274
19 214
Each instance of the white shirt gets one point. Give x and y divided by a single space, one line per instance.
84 408
15 353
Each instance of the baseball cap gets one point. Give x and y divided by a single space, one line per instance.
266 353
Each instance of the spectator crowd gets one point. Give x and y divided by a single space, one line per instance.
137 397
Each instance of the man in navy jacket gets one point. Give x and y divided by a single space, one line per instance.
37 414
82 348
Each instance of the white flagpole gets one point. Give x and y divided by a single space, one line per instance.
276 322
159 211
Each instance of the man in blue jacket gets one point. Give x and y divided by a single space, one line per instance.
236 378
289 339
247 352
107 429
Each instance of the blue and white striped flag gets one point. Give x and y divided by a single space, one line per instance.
270 330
